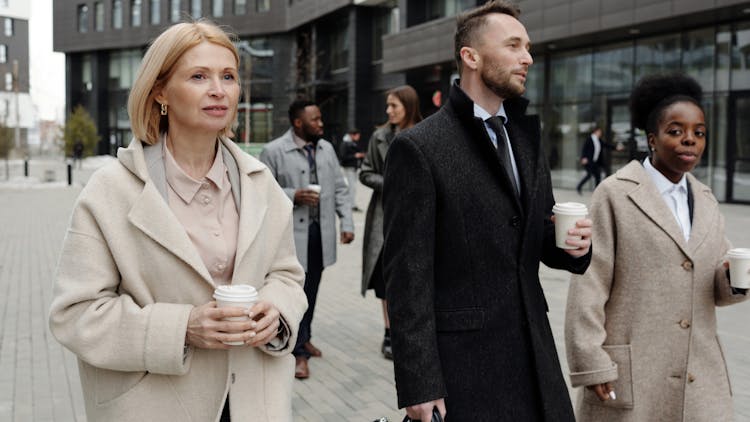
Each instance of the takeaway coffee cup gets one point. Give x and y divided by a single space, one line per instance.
240 295
315 188
566 215
739 267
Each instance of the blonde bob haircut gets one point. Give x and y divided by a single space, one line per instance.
157 67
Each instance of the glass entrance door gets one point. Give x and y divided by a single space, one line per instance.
738 151
619 132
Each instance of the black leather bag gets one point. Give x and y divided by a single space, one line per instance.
435 417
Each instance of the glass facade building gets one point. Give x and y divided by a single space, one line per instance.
587 61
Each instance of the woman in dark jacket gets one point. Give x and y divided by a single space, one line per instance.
403 112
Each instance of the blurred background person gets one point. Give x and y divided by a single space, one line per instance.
640 324
351 158
182 211
402 108
307 168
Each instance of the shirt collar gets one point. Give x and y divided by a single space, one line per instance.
185 186
663 184
299 141
484 114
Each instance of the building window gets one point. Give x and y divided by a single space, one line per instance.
155 12
8 81
382 25
83 18
8 29
117 14
217 8
262 5
240 7
98 16
3 53
174 10
135 12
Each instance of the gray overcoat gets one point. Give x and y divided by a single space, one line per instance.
643 315
371 175
288 164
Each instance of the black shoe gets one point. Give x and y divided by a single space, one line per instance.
386 348
356 209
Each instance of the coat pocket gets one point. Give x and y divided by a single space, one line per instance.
111 385
623 385
463 319
724 360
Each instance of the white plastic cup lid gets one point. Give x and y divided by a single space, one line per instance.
236 293
570 208
739 253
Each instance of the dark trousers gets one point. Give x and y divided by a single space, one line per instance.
225 412
312 282
592 169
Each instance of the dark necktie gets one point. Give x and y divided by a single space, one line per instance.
309 148
496 124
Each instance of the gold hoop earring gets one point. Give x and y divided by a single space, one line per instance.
163 109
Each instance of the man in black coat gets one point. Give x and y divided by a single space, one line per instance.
592 158
466 226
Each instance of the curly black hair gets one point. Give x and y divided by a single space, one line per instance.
654 93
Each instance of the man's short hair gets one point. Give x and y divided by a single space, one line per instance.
297 107
470 22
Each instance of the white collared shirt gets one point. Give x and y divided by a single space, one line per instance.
674 194
484 115
597 147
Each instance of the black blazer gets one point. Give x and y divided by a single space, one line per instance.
461 260
588 151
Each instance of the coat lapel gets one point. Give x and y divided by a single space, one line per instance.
648 199
151 215
522 136
252 207
703 219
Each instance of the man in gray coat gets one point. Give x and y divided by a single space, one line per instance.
307 168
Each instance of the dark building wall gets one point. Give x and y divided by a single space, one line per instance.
17 49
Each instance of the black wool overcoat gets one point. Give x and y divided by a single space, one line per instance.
461 260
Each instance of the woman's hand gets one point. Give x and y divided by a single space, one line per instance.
207 328
265 320
582 229
603 391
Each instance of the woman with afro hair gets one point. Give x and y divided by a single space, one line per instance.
640 325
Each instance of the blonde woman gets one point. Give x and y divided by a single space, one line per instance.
181 211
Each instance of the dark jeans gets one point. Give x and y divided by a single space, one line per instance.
592 169
312 282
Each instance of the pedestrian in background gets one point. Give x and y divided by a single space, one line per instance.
182 211
640 324
592 158
402 108
467 201
78 152
351 159
307 168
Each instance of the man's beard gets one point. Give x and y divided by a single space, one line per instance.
313 138
503 88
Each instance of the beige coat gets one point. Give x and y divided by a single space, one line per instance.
643 315
129 275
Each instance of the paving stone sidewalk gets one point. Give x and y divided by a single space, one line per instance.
351 382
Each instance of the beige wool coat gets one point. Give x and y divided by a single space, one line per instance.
129 276
643 316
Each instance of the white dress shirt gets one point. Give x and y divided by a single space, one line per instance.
484 115
597 147
674 194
